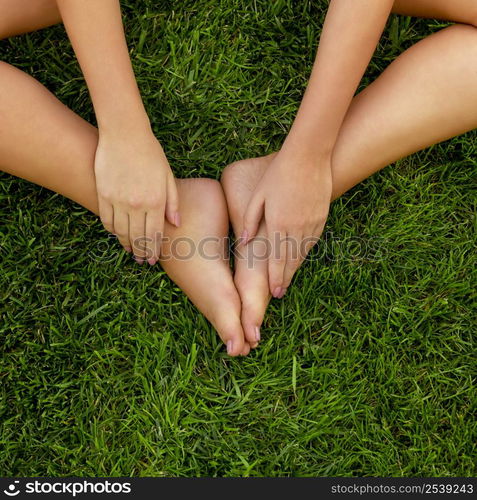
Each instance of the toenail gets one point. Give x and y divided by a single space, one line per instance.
257 333
139 260
151 261
230 347
277 292
282 294
128 249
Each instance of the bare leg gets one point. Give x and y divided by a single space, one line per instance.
41 140
457 11
427 95
23 16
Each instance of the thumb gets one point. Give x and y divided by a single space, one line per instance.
252 217
172 202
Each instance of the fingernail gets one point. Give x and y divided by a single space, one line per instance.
257 333
139 260
245 237
177 219
282 294
230 346
277 292
128 249
151 261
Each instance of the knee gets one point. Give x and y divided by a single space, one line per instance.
201 197
465 36
203 188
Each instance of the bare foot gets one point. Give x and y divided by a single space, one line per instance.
251 266
195 258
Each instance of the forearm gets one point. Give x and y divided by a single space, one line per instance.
96 32
350 34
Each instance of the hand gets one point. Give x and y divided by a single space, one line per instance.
136 191
293 197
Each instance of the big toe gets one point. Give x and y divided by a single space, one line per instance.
255 296
229 328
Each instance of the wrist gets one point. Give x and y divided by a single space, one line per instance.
307 153
127 129
308 144
124 119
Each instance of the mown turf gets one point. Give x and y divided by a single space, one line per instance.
367 367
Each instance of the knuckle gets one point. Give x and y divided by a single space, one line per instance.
155 201
133 201
108 196
320 218
309 222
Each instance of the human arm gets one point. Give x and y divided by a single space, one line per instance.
294 194
136 187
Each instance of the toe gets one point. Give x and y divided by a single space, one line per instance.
252 319
246 349
226 321
253 290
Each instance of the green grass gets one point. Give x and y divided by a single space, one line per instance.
367 367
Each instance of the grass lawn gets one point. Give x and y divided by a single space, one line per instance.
367 367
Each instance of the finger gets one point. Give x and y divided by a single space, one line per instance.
121 228
106 214
172 203
154 233
277 262
296 255
252 217
137 234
